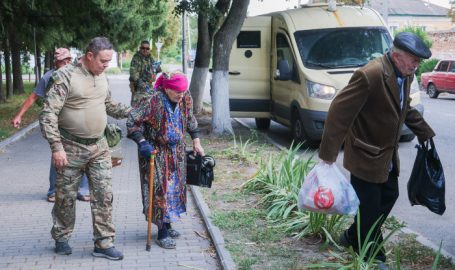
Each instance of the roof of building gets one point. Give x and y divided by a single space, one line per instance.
408 8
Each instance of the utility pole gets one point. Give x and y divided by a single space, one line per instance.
184 53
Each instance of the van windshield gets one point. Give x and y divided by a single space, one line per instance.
341 47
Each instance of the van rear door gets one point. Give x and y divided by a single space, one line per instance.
249 69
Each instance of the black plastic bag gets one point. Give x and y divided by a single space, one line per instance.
426 184
199 170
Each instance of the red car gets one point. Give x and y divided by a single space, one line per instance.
441 79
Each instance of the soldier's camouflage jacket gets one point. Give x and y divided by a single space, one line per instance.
142 72
70 88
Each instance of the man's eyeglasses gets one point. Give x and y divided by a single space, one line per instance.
145 48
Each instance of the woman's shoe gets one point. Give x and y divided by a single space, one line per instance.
167 243
51 198
173 233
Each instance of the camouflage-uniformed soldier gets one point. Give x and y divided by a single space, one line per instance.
143 70
73 121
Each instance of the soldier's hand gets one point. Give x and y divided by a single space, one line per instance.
59 159
16 122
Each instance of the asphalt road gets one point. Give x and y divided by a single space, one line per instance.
439 113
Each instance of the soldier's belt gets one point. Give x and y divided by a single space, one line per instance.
71 137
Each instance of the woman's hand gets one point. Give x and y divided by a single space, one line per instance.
197 147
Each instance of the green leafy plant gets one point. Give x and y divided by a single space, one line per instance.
279 181
426 66
365 258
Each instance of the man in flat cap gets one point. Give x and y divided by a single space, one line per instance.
367 115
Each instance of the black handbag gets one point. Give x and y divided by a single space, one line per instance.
199 169
426 184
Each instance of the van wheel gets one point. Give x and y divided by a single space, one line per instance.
298 132
432 91
262 123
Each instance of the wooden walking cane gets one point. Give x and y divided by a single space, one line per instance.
150 210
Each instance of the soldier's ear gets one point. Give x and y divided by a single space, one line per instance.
90 56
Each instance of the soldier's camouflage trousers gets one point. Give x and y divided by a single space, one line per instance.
95 160
139 94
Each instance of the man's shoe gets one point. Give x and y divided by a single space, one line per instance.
84 198
63 248
51 198
344 240
382 266
108 253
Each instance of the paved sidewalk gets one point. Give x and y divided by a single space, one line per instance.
25 241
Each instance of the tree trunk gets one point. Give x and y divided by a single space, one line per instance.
221 120
7 55
47 61
223 40
18 83
201 63
38 62
2 94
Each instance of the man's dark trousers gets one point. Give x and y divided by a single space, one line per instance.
376 202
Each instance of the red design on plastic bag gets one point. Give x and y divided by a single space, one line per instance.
323 198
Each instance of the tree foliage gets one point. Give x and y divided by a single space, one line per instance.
68 23
419 32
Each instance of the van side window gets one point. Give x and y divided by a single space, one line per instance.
285 64
249 39
443 66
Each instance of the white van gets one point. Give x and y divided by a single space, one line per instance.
288 66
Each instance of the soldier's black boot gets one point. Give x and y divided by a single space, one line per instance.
62 248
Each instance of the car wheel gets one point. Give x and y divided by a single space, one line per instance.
432 91
262 123
407 138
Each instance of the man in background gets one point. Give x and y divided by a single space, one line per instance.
143 70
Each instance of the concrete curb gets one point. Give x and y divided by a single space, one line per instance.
218 240
428 243
19 135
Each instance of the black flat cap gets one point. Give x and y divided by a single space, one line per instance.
412 44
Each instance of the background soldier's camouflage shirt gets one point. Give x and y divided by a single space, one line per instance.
142 72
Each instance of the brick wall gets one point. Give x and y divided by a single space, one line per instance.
443 44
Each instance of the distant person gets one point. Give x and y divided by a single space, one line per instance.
143 70
367 115
160 123
62 57
73 121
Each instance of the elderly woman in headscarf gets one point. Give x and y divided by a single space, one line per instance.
158 124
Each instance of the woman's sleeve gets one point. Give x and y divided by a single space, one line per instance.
141 112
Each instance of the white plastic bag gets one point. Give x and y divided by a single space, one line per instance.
326 190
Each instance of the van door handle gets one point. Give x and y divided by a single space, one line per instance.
234 72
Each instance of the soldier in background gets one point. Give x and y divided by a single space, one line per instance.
143 70
73 121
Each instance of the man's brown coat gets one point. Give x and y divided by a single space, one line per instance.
367 117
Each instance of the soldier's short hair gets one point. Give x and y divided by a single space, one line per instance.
99 44
145 42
